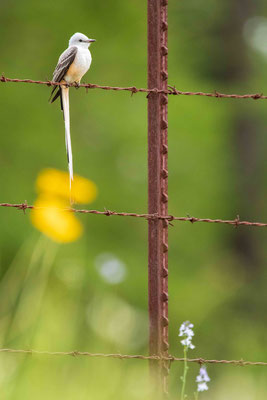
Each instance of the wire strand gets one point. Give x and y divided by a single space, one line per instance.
133 89
132 356
235 222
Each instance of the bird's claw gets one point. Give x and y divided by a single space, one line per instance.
76 85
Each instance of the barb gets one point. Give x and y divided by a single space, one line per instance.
236 222
170 358
133 89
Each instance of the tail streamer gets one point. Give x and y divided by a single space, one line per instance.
66 113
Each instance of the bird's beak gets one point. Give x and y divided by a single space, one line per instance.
90 40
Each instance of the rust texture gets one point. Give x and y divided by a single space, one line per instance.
171 90
158 188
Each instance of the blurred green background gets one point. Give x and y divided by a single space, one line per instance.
92 295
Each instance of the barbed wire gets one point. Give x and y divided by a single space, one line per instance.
170 358
236 222
133 89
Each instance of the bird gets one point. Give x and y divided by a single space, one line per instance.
73 63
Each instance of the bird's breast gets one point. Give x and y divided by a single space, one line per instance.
79 67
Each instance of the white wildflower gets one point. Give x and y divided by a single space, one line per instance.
202 386
202 379
187 333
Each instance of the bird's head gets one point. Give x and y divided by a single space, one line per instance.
79 39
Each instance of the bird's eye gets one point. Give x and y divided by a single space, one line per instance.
80 40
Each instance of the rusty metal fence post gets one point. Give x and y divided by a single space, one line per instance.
158 187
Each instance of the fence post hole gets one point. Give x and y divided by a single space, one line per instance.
158 189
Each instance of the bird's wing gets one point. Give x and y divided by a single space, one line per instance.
64 62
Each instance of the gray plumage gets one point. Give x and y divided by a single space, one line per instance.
64 62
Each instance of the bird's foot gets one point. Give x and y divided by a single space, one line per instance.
76 85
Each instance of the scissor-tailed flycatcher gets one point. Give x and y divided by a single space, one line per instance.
73 63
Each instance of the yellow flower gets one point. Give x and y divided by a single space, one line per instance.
57 183
50 214
51 218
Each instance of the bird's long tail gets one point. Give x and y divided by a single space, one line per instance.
66 114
